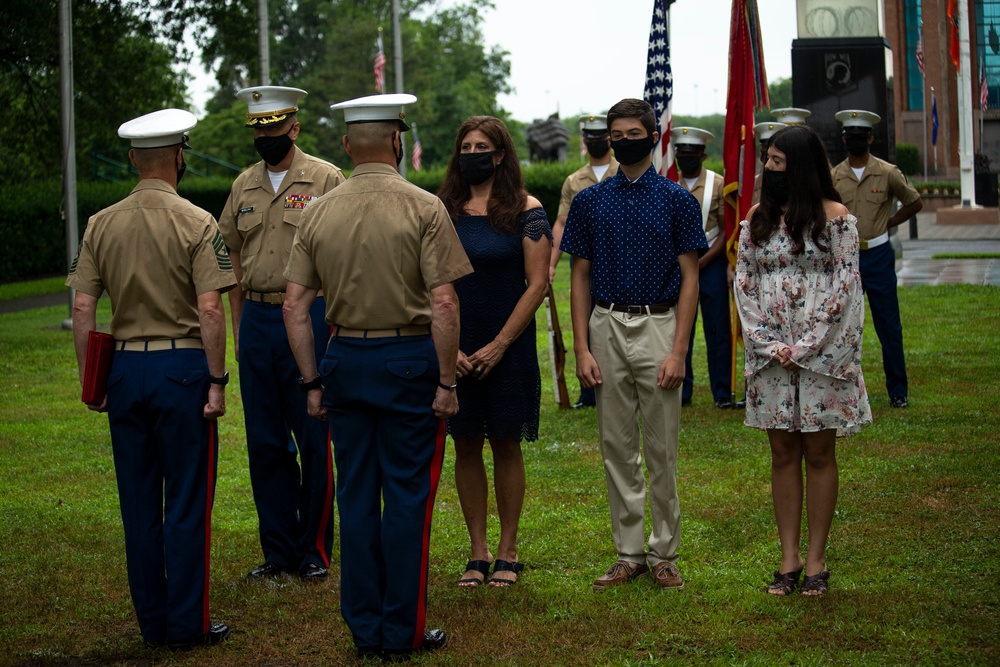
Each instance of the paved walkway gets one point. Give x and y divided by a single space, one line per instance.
916 267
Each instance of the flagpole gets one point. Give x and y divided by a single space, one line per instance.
933 104
923 94
68 118
965 141
263 43
397 65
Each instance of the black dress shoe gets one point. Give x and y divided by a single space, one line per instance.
268 569
217 633
579 405
899 402
433 640
724 404
314 572
685 402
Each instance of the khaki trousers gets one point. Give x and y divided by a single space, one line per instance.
629 350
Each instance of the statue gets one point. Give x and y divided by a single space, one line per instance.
547 140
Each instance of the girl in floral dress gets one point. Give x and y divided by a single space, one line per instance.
799 296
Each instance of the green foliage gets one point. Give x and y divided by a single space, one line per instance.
33 232
779 92
327 49
908 159
120 71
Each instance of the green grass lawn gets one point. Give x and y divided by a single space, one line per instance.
913 550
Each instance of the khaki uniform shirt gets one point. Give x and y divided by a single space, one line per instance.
717 209
155 253
870 200
582 178
260 224
376 246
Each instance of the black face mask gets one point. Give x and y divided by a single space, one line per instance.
632 151
689 164
273 149
856 146
598 149
776 186
399 155
476 168
180 172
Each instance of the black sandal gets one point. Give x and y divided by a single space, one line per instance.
815 584
480 566
784 584
504 566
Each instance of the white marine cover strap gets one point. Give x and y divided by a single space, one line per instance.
706 204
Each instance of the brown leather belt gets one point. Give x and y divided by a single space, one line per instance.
408 330
662 307
159 345
273 298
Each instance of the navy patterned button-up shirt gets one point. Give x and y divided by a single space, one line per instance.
632 232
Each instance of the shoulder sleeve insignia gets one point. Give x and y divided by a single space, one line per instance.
221 252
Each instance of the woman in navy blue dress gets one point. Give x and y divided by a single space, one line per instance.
508 239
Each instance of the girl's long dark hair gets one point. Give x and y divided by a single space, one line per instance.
507 196
809 183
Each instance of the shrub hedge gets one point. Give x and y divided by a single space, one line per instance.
33 232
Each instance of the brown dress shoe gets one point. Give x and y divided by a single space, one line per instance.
668 576
621 572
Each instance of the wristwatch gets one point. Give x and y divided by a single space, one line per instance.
222 380
315 383
447 387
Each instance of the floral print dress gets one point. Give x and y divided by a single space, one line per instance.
813 303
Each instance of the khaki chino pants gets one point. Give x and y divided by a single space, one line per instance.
629 350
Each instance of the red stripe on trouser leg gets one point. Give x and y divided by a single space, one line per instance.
418 635
213 432
327 504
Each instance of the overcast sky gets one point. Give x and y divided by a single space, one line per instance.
585 55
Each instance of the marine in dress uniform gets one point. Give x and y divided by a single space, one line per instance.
294 508
868 186
163 262
791 115
385 253
713 290
601 165
763 132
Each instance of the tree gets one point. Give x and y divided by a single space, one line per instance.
120 71
327 48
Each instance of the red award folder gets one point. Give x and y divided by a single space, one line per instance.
100 349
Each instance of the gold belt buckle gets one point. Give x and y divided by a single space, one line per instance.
864 244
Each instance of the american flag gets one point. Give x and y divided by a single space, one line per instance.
659 91
379 66
417 150
984 89
920 53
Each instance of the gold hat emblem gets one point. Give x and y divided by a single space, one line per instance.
854 114
256 96
684 131
402 115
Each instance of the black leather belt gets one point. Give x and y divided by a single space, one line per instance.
661 307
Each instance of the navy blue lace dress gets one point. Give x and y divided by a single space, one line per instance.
505 404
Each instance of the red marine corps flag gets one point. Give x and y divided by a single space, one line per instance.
747 92
659 90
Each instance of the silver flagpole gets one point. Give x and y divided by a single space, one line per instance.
68 142
263 43
397 65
